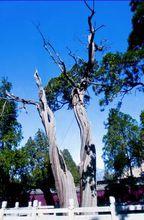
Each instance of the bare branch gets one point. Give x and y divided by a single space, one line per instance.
21 100
91 47
93 4
80 41
44 110
98 28
55 56
50 49
85 1
91 43
72 55
132 86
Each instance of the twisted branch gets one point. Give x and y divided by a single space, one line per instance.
21 100
55 56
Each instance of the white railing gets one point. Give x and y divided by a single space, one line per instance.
37 212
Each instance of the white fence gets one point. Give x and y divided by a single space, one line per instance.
38 212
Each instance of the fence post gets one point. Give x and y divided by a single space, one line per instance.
35 205
71 209
29 204
39 210
4 205
17 205
112 206
39 204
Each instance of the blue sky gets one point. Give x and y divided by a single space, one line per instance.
64 23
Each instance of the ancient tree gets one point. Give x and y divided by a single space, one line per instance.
63 179
71 88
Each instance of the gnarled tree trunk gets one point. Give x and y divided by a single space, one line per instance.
64 181
79 87
88 151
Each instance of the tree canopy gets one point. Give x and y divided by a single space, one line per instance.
37 164
10 129
59 89
119 73
10 137
136 37
122 145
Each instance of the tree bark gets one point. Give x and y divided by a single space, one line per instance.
88 152
64 181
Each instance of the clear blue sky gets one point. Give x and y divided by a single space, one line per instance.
65 24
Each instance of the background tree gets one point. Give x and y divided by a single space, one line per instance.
71 165
136 37
10 129
38 168
142 125
142 136
122 146
37 164
11 189
120 73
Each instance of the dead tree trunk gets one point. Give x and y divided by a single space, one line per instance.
79 88
64 181
88 152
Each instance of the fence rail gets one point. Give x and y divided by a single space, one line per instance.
37 212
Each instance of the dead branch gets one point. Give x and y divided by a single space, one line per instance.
91 47
55 56
72 55
87 5
50 49
21 100
91 43
98 28
42 106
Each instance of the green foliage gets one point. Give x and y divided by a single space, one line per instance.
29 168
37 164
120 73
10 158
58 92
142 133
122 147
10 129
117 73
59 89
71 166
35 169
136 37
